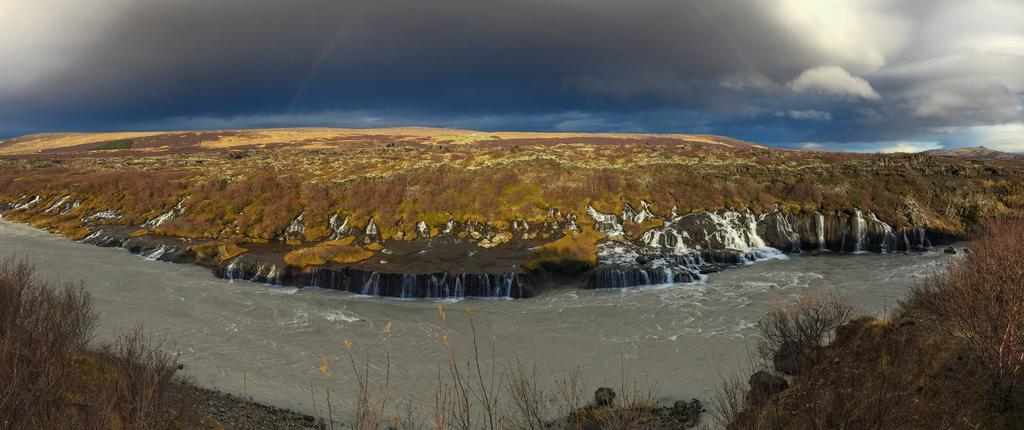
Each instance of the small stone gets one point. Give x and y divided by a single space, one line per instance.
687 413
604 396
949 250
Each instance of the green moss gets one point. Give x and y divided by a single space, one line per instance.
115 145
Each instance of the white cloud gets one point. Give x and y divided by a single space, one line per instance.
810 115
908 147
833 80
887 147
859 35
41 36
964 99
993 43
1004 137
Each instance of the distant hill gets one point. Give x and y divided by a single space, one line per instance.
323 138
976 152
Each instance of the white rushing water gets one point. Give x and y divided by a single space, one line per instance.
684 335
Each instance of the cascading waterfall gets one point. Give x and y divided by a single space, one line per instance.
820 230
156 253
57 205
233 270
28 204
860 231
683 249
372 285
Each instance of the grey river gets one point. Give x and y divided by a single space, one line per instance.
685 336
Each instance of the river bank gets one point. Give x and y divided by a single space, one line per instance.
277 336
228 411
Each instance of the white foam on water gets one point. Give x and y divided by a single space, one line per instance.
336 316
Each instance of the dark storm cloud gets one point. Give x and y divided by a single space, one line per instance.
783 71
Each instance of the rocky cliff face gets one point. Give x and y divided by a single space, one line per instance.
640 247
688 246
839 232
268 269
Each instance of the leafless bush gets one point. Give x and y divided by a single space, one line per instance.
570 395
146 379
49 378
42 329
980 299
728 403
788 332
527 395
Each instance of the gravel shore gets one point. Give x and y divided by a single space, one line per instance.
227 411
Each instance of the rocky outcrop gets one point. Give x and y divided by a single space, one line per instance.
838 232
339 227
674 248
764 385
688 246
376 283
175 212
296 230
267 270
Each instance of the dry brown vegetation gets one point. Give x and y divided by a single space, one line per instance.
949 357
50 377
253 188
239 196
980 301
475 391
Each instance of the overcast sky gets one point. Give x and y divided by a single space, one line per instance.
847 74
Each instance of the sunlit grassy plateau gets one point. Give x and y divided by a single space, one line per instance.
246 187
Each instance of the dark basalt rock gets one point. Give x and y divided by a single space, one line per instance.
764 385
839 232
359 281
686 413
604 396
431 285
377 283
683 249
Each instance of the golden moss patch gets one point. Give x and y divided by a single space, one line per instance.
141 232
573 249
217 251
336 251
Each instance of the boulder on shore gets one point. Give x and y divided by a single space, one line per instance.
764 385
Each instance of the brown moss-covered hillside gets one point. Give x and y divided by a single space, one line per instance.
949 356
250 185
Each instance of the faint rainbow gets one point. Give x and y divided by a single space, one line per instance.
311 72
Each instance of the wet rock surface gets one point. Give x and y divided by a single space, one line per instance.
484 259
